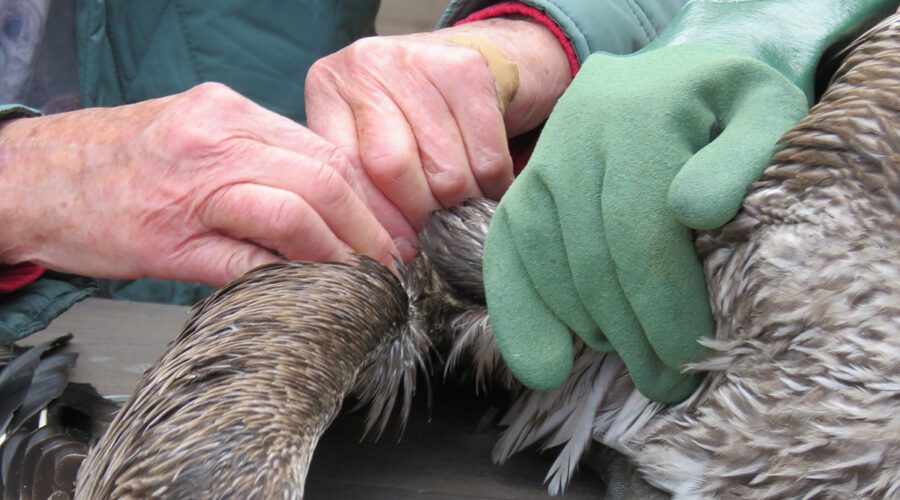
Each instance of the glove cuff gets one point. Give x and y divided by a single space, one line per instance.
792 36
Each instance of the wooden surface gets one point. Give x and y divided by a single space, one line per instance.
446 457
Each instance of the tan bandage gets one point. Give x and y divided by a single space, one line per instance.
505 72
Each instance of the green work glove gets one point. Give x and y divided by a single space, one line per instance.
595 236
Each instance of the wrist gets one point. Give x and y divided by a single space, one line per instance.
14 199
544 68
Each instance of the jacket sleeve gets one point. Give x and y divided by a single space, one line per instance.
11 111
614 26
29 297
17 276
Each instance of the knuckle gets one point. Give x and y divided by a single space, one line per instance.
385 164
319 74
215 98
365 48
493 166
467 64
304 242
211 91
449 185
336 160
187 139
373 56
282 219
236 263
334 191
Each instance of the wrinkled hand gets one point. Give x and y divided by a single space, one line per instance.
420 115
200 186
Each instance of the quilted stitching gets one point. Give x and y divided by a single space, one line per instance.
641 17
125 87
192 58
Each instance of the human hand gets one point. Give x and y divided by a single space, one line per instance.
419 115
200 186
595 235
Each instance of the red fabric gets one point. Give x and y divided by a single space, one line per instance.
522 146
516 8
15 277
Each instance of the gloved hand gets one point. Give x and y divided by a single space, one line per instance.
595 236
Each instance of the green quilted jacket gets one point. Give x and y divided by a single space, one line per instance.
131 50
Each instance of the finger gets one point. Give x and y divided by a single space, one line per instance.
441 148
534 225
330 116
709 189
390 156
330 196
481 125
273 218
281 132
214 259
535 345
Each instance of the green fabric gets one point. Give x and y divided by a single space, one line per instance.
814 27
588 238
614 26
12 111
32 308
154 290
130 51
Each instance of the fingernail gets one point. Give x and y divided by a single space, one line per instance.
406 249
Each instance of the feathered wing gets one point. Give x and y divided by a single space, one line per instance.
598 402
32 380
36 458
41 462
392 376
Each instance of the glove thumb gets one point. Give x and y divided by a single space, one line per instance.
709 189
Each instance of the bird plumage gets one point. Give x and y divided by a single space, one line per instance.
36 460
802 395
235 406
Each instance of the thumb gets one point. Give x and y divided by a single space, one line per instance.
709 189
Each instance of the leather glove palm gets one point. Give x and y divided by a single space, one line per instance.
595 236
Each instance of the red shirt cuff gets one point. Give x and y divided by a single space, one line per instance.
535 14
17 276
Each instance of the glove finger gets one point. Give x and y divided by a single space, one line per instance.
536 346
709 189
653 254
589 263
599 289
535 227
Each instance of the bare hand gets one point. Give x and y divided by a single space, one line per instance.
420 116
200 186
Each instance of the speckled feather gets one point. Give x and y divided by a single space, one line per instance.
803 394
235 406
